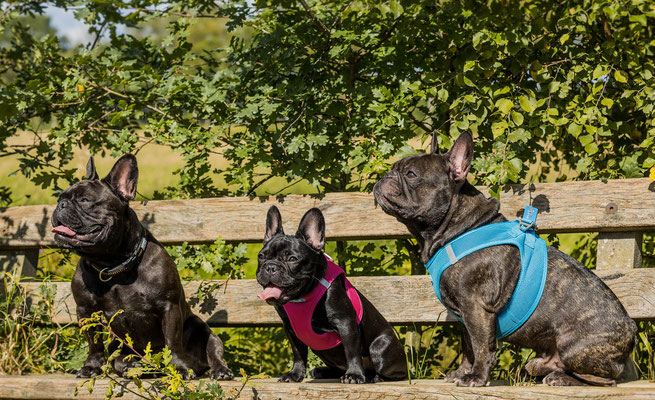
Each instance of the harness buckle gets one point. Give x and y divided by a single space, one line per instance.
529 218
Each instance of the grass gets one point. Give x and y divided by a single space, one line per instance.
29 342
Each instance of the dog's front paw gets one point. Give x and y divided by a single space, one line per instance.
353 378
222 374
471 380
292 376
88 371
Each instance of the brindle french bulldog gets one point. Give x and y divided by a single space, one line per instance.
580 331
123 267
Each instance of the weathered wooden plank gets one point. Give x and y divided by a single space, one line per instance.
618 250
236 303
59 386
617 205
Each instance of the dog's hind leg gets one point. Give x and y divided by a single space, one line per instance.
205 349
388 358
598 361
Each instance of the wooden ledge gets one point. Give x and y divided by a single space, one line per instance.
60 386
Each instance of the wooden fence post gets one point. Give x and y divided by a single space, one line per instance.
618 250
20 263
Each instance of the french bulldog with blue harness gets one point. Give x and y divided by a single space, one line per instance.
502 281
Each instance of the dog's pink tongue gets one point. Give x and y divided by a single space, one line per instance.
270 292
64 230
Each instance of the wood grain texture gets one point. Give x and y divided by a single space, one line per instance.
401 299
618 250
564 207
58 387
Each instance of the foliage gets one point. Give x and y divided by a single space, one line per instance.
644 354
327 92
511 363
29 343
168 382
209 261
431 351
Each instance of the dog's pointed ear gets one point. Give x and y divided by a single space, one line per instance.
460 156
91 173
434 146
123 177
273 223
312 229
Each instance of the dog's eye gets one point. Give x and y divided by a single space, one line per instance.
260 256
84 200
293 259
410 174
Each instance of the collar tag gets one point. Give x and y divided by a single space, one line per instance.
529 218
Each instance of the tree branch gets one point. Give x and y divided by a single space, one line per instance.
315 19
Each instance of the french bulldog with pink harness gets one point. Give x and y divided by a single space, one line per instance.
321 310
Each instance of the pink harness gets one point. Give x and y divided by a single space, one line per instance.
300 312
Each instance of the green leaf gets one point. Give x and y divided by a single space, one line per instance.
396 8
564 38
477 37
591 148
607 102
517 118
599 71
620 77
639 18
504 105
586 139
442 95
528 104
574 129
517 135
498 128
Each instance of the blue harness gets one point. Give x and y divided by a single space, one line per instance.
534 265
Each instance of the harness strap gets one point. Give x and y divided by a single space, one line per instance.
534 266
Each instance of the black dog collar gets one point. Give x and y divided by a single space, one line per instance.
125 265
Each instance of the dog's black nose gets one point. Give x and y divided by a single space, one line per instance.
270 269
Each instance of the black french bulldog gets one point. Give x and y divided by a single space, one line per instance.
289 268
123 267
580 331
